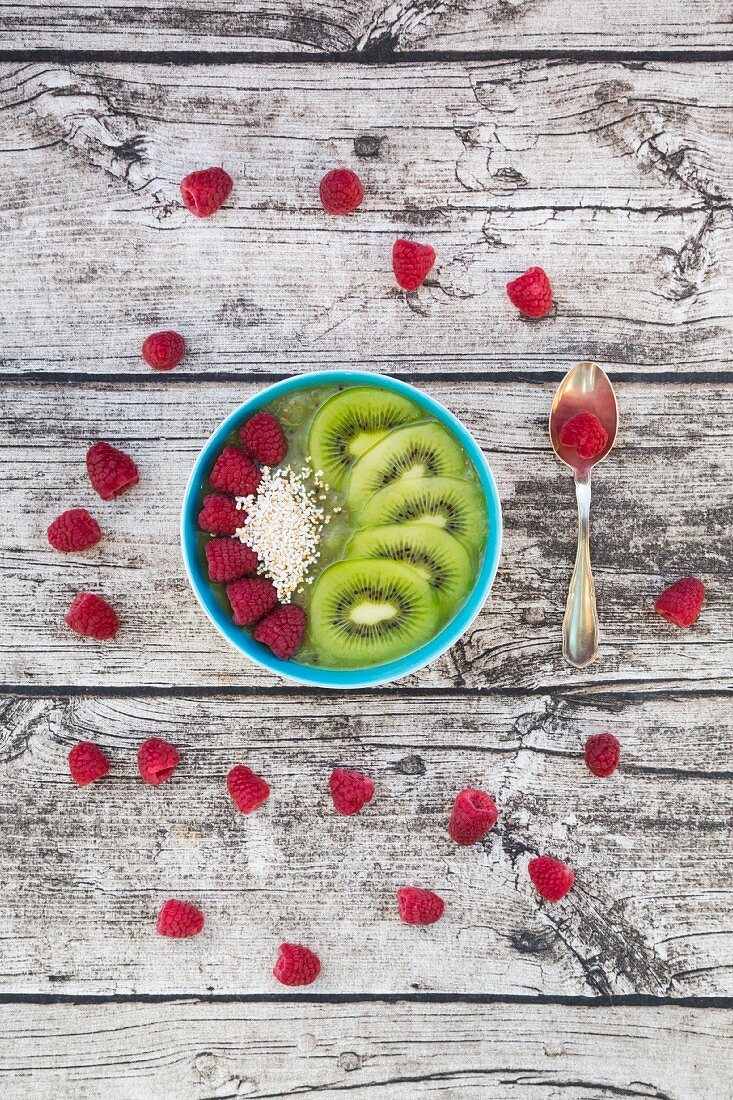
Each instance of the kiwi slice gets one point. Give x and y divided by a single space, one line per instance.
442 560
349 423
416 450
366 611
456 506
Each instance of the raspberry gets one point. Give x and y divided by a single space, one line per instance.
263 438
248 791
87 763
602 753
473 814
229 559
156 760
178 919
419 906
552 879
351 791
111 472
235 472
93 617
341 191
531 293
282 630
585 433
296 965
411 262
205 191
163 350
220 515
74 530
682 602
251 598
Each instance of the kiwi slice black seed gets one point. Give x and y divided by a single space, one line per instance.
415 450
456 506
442 560
366 611
349 423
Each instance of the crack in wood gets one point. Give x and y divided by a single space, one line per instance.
399 22
64 108
612 953
555 813
509 174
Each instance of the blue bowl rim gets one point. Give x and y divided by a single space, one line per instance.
309 675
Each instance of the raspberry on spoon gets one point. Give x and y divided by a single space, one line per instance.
585 433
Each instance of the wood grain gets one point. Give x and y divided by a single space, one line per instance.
662 509
395 1051
330 26
616 178
649 913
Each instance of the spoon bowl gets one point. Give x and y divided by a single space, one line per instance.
585 388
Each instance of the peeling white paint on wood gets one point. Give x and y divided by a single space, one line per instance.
648 914
614 177
617 178
388 26
673 438
397 1051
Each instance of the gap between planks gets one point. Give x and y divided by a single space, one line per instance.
375 56
615 693
629 1000
505 377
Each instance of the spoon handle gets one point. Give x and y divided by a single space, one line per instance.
580 625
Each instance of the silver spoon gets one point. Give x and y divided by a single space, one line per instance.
585 388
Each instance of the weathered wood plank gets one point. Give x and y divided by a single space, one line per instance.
649 913
491 24
396 1051
332 26
615 177
662 509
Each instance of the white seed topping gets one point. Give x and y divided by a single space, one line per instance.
283 526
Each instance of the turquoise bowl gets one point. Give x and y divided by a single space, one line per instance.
306 674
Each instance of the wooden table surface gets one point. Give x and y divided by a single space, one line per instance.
600 150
